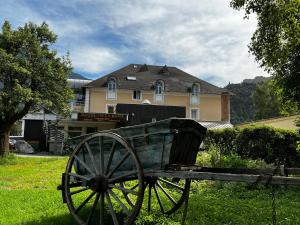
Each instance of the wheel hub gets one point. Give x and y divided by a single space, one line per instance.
99 184
151 180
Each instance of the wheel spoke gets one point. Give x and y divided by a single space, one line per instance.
78 184
112 151
112 180
101 155
118 164
93 209
123 189
166 193
78 191
135 186
158 199
111 209
85 201
83 163
129 201
101 208
172 184
91 157
149 198
119 201
78 176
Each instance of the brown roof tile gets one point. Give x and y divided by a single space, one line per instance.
175 80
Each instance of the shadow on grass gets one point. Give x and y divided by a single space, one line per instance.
65 219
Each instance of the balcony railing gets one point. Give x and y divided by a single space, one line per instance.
77 106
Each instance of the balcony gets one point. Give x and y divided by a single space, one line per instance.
77 106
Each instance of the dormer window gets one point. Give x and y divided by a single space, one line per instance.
111 89
194 97
159 91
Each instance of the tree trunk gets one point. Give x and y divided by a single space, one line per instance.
4 142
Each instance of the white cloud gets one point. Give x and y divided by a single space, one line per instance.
205 38
93 59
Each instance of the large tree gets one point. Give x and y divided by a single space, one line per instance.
266 105
276 41
32 76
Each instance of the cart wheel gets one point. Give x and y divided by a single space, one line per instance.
169 193
94 170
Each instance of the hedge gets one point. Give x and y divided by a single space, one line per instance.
273 145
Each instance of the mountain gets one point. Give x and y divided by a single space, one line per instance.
256 80
241 105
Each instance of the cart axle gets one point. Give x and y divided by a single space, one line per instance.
99 184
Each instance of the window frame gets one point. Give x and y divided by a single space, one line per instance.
197 113
111 89
195 95
136 99
111 105
161 85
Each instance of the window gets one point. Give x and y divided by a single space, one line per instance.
136 95
195 90
111 89
158 88
131 78
111 109
112 85
195 114
195 94
159 91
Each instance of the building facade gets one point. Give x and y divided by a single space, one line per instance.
158 85
131 95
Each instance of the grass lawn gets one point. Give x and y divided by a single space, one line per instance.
28 196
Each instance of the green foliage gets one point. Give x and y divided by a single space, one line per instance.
32 76
270 144
213 158
16 129
273 145
241 105
258 98
276 41
265 102
221 139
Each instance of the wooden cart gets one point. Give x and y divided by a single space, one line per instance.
109 172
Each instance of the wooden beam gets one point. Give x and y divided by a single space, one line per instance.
246 178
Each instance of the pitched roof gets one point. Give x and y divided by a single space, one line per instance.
175 80
77 76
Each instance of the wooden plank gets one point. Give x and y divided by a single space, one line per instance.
281 170
246 178
292 170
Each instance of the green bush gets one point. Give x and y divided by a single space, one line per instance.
273 145
212 158
221 139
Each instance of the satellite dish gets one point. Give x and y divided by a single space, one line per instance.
146 102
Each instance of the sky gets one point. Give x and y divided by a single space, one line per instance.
205 38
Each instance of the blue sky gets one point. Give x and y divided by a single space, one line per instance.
205 38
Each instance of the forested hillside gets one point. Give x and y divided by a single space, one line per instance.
241 107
